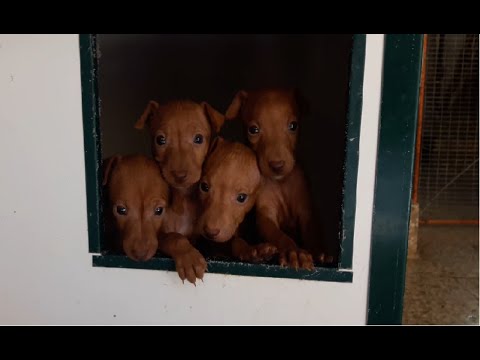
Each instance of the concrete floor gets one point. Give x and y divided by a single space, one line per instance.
442 284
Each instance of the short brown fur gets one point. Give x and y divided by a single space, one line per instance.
230 173
283 204
178 124
135 183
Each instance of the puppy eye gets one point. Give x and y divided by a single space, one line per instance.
158 211
198 139
241 198
121 210
293 126
204 187
253 130
161 140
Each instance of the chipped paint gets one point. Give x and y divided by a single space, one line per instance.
229 268
91 128
351 151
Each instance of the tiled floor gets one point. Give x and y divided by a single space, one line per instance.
442 284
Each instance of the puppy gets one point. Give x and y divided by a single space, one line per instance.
137 196
271 119
181 133
228 190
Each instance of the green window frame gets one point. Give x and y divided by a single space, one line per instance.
92 144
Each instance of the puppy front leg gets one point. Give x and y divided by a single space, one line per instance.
290 253
189 263
252 253
312 241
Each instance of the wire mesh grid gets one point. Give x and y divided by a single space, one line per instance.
448 183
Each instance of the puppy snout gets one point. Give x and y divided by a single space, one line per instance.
180 176
210 232
276 166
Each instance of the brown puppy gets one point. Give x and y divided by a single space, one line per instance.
181 132
271 119
228 191
137 196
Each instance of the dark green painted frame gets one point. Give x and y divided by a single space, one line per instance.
351 157
231 268
393 183
92 141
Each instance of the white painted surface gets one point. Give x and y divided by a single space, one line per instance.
46 275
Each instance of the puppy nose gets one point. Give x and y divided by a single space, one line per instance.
180 176
211 233
141 254
276 166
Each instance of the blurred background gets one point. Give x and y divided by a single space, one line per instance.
442 268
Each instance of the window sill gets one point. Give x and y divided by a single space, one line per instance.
230 268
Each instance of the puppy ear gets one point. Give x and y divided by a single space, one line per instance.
215 143
147 115
303 107
108 166
215 118
236 105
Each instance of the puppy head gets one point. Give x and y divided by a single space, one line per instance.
271 119
181 135
138 196
228 189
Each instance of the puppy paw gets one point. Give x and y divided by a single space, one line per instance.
296 258
190 265
266 251
258 253
325 259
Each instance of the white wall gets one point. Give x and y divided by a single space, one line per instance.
46 275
